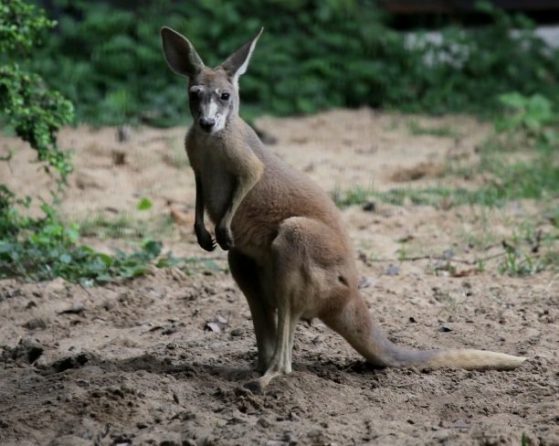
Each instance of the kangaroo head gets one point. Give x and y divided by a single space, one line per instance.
213 92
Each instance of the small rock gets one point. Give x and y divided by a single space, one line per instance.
27 350
70 362
35 324
107 305
213 326
369 206
263 422
217 325
293 416
169 330
448 254
236 332
392 270
445 328
88 180
363 258
77 308
290 438
365 282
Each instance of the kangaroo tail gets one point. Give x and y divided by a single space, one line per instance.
354 323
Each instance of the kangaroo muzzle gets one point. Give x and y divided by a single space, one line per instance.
207 124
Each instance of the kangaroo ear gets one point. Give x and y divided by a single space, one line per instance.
237 63
181 56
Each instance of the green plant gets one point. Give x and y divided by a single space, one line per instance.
46 247
144 204
357 195
518 264
313 55
27 105
125 227
525 113
442 132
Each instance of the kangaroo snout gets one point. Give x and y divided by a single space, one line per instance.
207 124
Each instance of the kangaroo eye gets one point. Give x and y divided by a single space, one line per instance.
224 96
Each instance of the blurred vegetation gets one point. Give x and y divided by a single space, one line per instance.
26 104
41 248
313 55
528 125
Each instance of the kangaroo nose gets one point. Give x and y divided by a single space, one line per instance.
207 123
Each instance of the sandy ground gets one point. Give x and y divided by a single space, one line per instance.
162 359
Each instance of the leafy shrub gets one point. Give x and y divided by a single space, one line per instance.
45 247
314 54
35 112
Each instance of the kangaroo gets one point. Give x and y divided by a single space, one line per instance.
287 247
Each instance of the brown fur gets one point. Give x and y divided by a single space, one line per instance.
288 250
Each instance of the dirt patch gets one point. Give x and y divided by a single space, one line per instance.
422 170
143 362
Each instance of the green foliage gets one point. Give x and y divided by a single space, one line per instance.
313 55
517 264
144 204
441 132
529 114
126 228
357 195
35 112
536 180
21 26
44 248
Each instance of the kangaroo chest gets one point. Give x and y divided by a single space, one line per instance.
217 182
217 190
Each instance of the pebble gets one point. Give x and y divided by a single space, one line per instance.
392 270
35 324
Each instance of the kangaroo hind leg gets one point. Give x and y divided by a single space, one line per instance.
295 280
249 278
